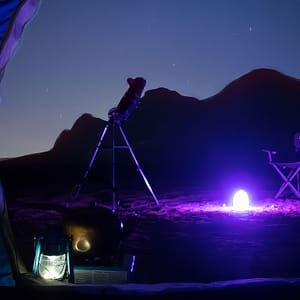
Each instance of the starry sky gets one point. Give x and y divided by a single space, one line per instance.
75 56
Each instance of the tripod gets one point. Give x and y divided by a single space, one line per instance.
115 123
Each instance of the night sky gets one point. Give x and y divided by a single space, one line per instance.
75 57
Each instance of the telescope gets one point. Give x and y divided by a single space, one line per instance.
130 100
128 103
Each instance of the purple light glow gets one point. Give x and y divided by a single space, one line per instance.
182 207
206 205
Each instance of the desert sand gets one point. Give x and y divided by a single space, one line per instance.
190 237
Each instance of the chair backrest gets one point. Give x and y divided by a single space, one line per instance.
297 141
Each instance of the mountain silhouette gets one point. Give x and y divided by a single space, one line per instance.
214 143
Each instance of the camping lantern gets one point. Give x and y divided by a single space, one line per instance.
53 257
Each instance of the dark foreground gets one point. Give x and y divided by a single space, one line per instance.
190 247
256 290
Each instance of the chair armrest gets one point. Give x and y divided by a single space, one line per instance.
270 154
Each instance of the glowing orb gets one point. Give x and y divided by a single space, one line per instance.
240 201
82 245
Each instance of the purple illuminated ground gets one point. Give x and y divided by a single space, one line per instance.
192 237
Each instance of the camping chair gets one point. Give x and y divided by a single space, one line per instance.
288 171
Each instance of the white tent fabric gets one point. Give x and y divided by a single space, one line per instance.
14 15
13 271
6 272
11 264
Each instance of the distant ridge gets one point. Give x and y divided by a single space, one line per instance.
215 142
261 79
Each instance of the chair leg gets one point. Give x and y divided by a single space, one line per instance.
288 181
284 186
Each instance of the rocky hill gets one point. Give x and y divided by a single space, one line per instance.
213 143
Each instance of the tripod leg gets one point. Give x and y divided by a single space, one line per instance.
113 181
79 186
138 166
